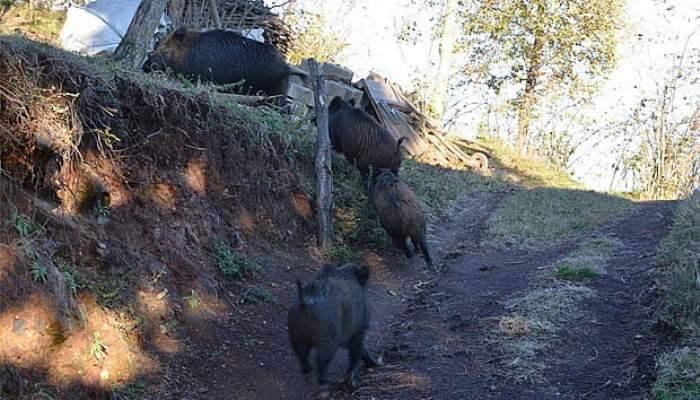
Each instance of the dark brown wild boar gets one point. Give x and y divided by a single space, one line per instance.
362 140
331 312
222 57
400 213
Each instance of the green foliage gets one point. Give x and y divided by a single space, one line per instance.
540 47
24 226
231 263
192 300
575 274
39 272
257 294
577 39
678 377
98 350
314 38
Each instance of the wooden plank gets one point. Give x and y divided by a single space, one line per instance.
324 178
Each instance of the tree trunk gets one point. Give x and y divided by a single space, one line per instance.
133 48
528 99
448 33
324 178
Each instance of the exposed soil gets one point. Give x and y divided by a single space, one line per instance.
432 329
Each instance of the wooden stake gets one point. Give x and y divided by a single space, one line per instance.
324 177
215 13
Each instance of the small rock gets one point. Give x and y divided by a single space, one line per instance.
391 292
104 374
492 388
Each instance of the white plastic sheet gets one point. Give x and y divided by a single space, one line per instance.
98 26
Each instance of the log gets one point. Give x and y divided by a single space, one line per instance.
133 48
324 177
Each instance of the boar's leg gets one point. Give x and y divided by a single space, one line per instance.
357 351
403 245
369 361
424 250
302 351
324 356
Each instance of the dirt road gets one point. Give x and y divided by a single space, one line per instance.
434 331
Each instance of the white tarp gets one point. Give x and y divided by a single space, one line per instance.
97 26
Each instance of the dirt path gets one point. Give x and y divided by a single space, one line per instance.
441 347
432 331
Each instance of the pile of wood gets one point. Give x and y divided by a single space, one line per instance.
382 99
237 15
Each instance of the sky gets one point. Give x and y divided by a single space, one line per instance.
656 31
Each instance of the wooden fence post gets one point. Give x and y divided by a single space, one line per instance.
214 8
324 177
134 46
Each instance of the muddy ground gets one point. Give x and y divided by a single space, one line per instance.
433 330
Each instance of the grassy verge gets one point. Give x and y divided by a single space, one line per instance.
534 218
679 370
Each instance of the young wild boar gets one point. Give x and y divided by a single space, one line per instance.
331 312
222 57
362 140
400 213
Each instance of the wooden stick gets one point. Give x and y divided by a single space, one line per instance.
214 9
324 178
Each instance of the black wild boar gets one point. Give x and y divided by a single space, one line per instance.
400 213
222 57
362 140
331 312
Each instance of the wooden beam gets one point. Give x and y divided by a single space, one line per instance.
324 177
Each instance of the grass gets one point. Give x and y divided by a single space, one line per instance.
38 24
98 350
576 274
588 261
39 272
525 171
540 217
257 295
192 300
678 376
535 318
232 264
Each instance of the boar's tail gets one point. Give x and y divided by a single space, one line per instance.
398 145
301 297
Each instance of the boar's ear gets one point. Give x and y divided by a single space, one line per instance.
179 33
